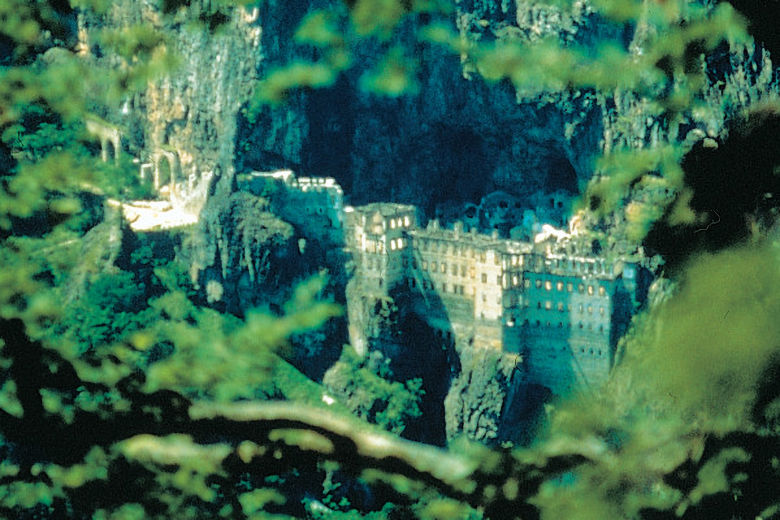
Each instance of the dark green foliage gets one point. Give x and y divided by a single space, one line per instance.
369 391
747 161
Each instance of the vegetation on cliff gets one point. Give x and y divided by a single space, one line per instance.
122 395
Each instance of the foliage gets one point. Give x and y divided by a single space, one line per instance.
370 393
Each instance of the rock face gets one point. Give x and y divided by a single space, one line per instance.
459 138
478 395
183 123
243 256
193 111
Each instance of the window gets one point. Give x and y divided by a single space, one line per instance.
548 305
590 290
472 273
602 290
443 267
407 221
425 265
496 259
559 286
590 309
482 257
579 308
463 271
414 263
580 288
405 262
392 223
569 287
601 310
444 287
548 285
484 277
514 280
484 297
498 279
538 284
527 283
560 306
434 266
538 305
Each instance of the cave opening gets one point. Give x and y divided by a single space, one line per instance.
464 163
562 176
327 151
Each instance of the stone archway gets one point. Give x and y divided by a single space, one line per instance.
167 170
109 136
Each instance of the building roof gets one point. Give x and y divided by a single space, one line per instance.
387 209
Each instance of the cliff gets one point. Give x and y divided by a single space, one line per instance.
185 113
457 137
453 140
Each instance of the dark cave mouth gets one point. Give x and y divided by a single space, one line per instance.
562 176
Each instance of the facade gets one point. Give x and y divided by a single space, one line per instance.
560 312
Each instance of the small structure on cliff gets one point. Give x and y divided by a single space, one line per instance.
313 204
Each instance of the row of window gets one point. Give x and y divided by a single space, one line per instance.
580 266
398 243
450 248
560 325
569 286
560 306
456 270
400 222
449 289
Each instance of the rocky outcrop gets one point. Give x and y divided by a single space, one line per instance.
241 255
459 138
479 395
183 123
